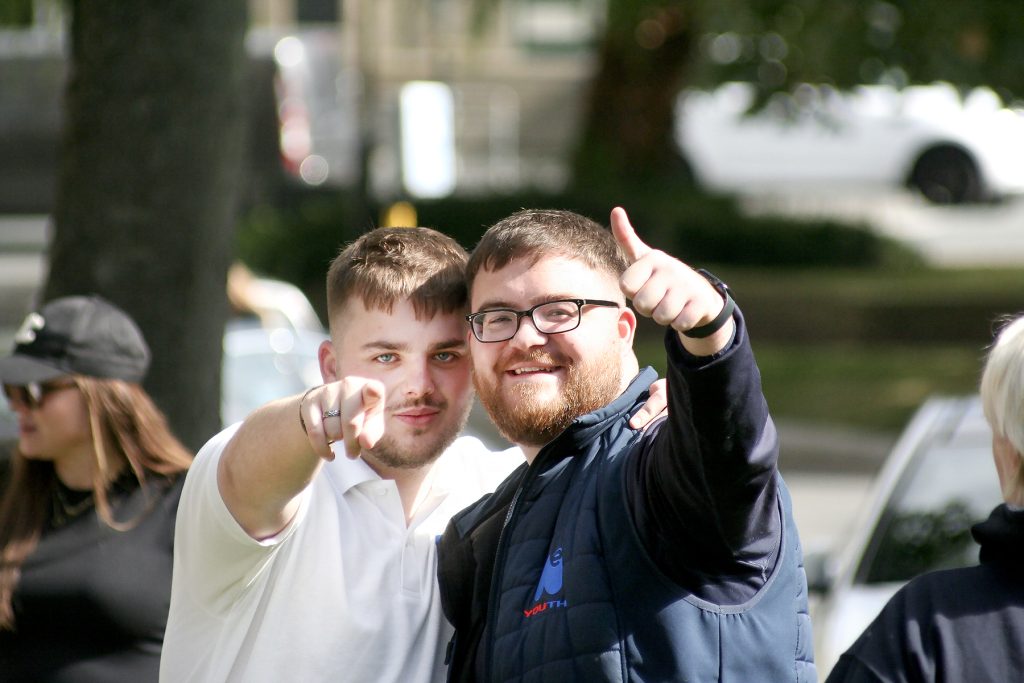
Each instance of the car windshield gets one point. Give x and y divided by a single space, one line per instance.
950 485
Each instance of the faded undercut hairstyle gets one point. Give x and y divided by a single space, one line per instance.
538 233
1002 387
387 265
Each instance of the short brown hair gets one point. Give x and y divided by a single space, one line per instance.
537 233
391 264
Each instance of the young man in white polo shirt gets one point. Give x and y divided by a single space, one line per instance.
292 564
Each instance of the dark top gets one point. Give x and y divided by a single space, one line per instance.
91 604
954 625
705 480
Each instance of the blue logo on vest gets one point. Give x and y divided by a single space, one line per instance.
550 584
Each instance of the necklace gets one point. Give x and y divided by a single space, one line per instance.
64 510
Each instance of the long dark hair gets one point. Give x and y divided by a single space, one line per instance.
128 431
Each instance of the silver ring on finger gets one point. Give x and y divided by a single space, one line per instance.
333 412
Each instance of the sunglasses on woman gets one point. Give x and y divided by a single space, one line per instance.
33 394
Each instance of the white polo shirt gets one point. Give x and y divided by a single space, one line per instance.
347 592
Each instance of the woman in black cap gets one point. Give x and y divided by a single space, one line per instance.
87 516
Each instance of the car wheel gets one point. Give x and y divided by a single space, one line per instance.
946 175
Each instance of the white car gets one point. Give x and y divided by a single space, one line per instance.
949 148
938 480
261 364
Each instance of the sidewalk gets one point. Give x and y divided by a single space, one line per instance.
830 449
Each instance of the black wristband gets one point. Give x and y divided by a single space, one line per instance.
722 318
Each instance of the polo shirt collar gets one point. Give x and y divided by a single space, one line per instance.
347 473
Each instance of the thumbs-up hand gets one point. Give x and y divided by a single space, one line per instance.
665 289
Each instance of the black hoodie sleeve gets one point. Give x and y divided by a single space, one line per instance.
703 484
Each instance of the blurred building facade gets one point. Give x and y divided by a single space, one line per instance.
513 75
500 114
516 79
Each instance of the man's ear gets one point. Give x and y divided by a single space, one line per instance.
328 362
627 325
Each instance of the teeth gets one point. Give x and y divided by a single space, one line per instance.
519 371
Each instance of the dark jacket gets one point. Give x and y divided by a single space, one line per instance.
618 554
954 625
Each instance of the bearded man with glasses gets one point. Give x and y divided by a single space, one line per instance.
615 553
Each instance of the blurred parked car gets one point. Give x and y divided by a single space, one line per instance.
270 346
938 480
261 364
951 149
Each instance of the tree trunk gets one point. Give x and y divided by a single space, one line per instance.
628 131
146 198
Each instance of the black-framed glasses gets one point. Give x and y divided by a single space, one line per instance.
33 394
550 317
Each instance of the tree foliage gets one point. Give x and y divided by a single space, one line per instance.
643 60
778 44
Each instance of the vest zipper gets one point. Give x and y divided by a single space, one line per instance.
499 566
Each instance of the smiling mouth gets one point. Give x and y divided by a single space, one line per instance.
528 371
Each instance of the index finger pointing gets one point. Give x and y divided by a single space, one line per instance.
625 235
373 421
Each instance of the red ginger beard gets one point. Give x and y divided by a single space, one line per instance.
523 418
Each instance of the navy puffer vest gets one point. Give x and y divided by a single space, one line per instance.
574 595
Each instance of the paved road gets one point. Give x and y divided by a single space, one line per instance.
983 235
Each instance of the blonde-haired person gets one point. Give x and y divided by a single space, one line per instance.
87 514
964 624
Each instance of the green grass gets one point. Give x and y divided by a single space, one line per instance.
864 348
878 286
876 388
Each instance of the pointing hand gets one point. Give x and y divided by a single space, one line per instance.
349 410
